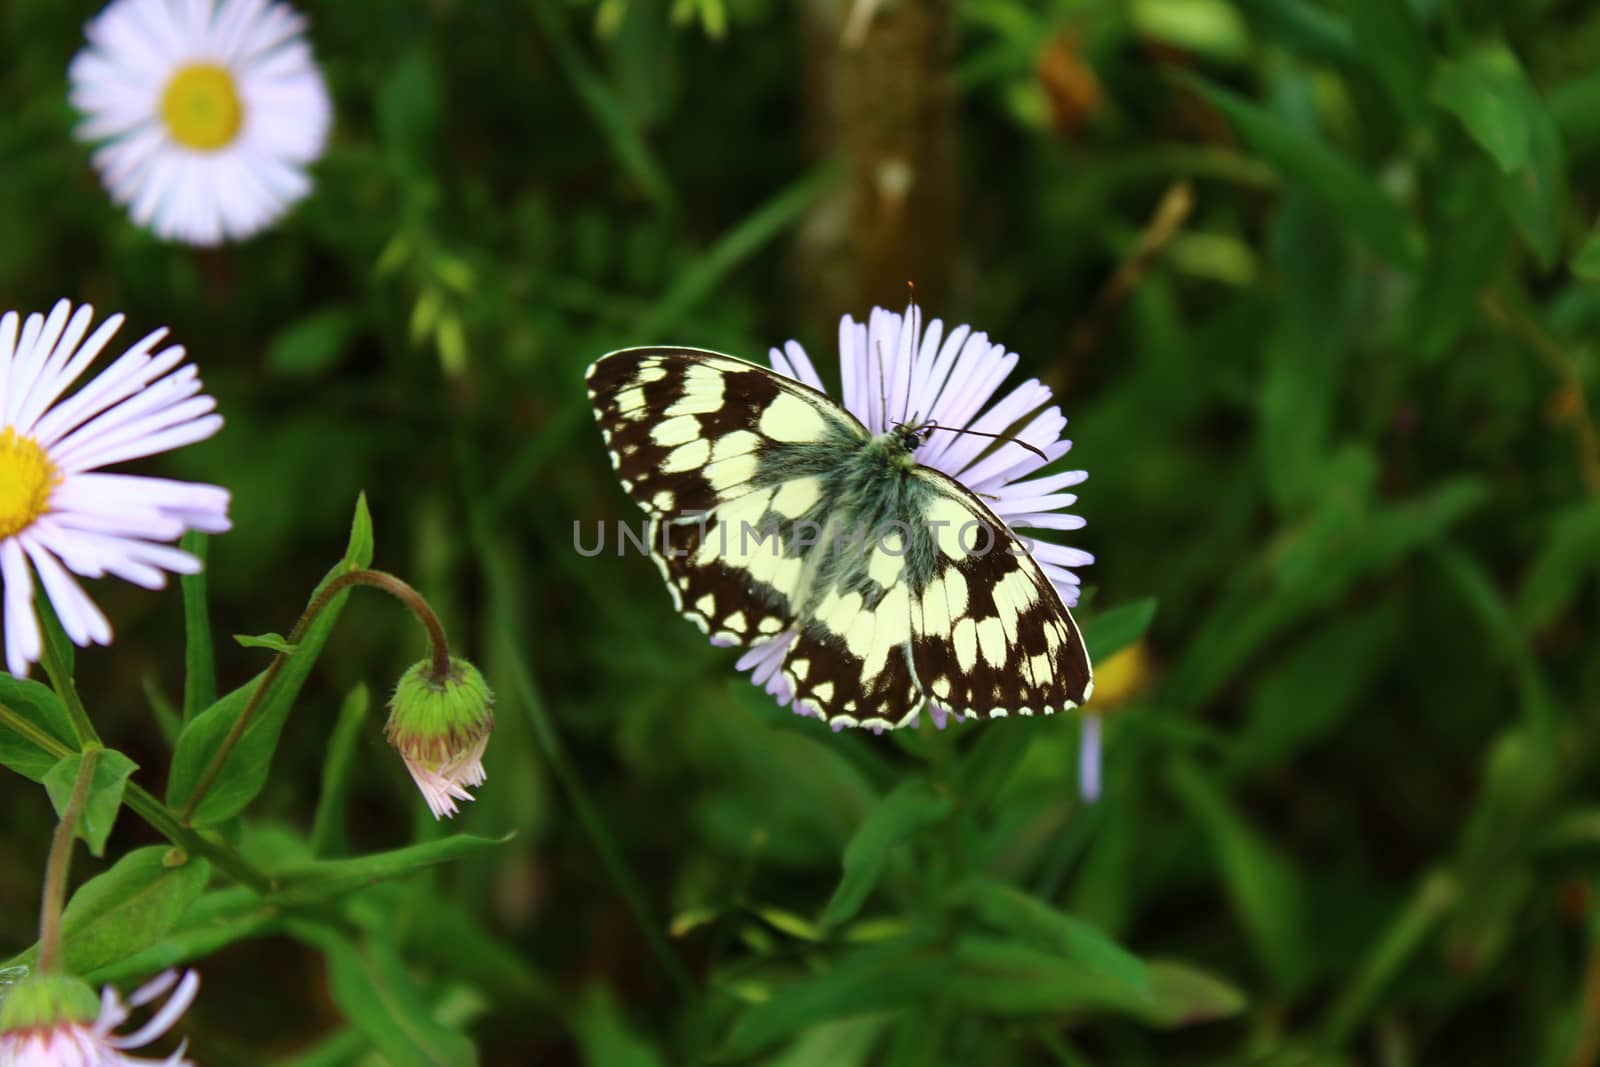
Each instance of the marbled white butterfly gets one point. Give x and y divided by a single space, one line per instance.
779 520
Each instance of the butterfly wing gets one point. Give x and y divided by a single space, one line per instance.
728 457
718 451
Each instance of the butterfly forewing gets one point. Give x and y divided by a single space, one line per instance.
772 522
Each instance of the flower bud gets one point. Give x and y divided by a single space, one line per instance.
52 1019
42 1001
441 727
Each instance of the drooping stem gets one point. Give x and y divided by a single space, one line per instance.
439 651
55 872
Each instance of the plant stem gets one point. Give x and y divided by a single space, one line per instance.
626 883
439 650
161 818
1434 896
147 807
61 680
55 871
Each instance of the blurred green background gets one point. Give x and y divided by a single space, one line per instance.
1315 284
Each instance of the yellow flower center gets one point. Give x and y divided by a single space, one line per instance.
26 478
201 107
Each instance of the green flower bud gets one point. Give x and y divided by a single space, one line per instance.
42 1001
441 727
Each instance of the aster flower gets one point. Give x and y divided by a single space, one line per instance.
894 371
60 512
52 1021
441 728
208 113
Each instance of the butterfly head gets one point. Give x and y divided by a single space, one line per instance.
910 435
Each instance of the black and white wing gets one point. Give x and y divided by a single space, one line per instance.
729 459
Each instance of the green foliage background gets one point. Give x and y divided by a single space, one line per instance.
1338 431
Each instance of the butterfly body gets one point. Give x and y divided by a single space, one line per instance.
779 522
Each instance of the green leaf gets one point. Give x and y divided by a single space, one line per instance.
1488 91
1013 911
1586 264
311 345
1184 995
107 781
1470 234
56 641
327 828
302 884
1007 978
1570 555
874 979
245 772
1487 98
43 734
1394 44
409 105
911 806
213 922
1111 631
1308 163
199 658
1262 884
627 141
127 909
373 988
605 1036
1297 700
271 642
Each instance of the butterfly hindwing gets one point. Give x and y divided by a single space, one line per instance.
772 529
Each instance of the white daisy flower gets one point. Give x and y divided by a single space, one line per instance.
59 511
209 110
53 1023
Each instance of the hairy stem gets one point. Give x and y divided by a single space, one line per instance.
55 871
439 649
152 811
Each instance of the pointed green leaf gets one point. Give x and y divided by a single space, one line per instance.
1489 92
1263 885
1339 184
1111 631
875 979
897 817
1184 995
271 642
374 989
1486 97
1008 908
327 828
310 345
128 908
606 1037
109 778
200 663
301 884
42 732
1586 264
245 773
1394 44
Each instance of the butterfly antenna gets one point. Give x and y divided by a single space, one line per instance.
984 433
883 388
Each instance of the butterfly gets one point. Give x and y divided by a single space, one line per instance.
777 519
